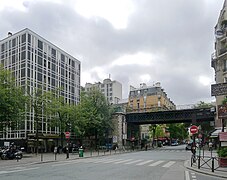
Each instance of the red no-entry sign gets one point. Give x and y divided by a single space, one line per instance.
67 135
193 129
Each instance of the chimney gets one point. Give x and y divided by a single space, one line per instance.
10 34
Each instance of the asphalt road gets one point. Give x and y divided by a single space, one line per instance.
161 164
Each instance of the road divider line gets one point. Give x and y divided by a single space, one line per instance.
187 177
19 170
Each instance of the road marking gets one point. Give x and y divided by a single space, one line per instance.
187 177
133 162
118 162
19 170
170 163
112 161
156 163
145 162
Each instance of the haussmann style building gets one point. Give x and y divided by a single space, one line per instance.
219 61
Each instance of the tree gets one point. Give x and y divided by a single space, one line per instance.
59 110
95 113
38 103
202 104
205 127
178 131
12 102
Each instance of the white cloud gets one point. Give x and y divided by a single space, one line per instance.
115 11
142 59
204 80
145 78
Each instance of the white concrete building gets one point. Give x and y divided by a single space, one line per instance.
37 63
111 89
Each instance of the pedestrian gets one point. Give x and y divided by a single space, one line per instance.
210 145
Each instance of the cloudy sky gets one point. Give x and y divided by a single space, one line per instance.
133 41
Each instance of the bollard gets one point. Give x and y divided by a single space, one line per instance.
199 162
55 153
41 157
212 164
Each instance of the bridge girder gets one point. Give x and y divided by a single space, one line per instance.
172 116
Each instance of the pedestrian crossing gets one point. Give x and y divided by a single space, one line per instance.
132 162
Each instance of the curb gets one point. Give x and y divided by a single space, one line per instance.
186 164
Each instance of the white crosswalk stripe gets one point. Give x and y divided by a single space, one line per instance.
111 161
145 162
123 161
156 163
170 163
133 162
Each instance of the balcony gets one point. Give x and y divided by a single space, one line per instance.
222 51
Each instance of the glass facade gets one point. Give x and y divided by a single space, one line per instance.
37 63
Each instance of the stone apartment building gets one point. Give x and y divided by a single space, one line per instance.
219 57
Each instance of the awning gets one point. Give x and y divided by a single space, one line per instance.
223 136
216 132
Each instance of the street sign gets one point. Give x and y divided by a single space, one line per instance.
193 129
222 111
219 89
67 135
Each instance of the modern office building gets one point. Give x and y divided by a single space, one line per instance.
37 63
219 57
111 89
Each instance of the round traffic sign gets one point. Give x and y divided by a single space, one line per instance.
67 135
193 129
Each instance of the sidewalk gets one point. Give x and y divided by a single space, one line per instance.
206 164
51 157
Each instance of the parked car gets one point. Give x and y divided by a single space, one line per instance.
174 143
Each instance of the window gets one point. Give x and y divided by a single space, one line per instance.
23 37
40 44
225 65
62 58
40 61
22 72
53 52
14 42
40 77
29 38
23 55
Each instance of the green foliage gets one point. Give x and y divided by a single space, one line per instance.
12 101
222 152
95 113
156 131
202 104
178 131
224 101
